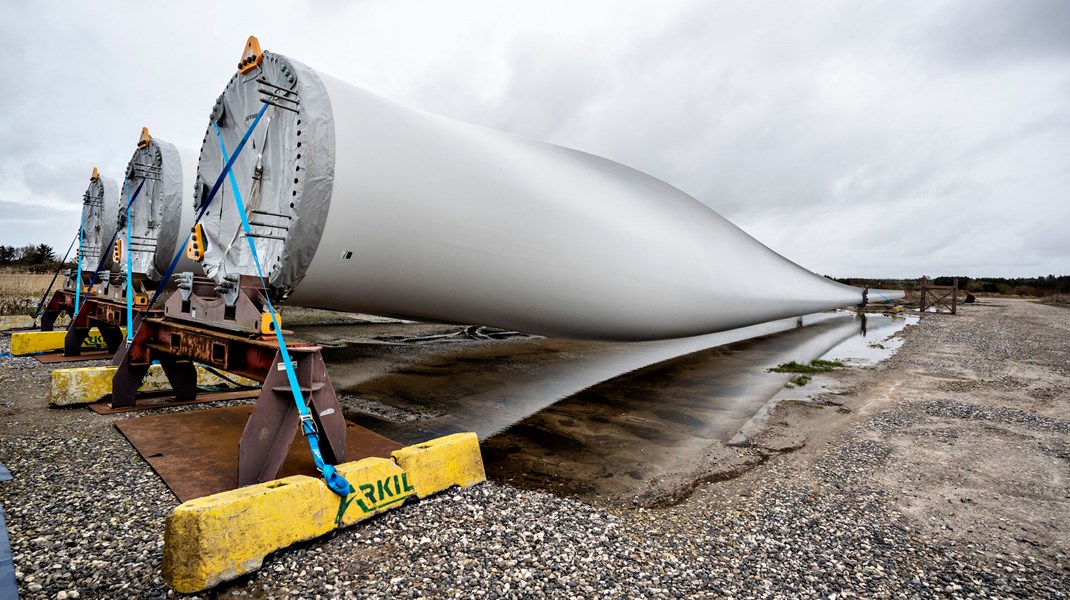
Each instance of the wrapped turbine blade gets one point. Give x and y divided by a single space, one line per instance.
357 203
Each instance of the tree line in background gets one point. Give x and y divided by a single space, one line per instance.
1021 286
36 258
42 258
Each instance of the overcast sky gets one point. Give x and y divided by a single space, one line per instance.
888 139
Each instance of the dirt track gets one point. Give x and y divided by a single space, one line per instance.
943 472
972 418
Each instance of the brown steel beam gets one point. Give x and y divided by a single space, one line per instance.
931 296
106 315
178 342
275 421
62 301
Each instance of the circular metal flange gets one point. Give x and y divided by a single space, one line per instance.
284 174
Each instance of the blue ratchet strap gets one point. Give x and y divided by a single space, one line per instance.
129 278
334 481
886 299
40 304
104 250
207 202
78 283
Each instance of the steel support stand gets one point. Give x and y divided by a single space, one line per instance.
220 337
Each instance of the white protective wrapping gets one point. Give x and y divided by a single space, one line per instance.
162 213
100 206
388 210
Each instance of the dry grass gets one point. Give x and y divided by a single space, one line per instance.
1057 300
20 292
12 284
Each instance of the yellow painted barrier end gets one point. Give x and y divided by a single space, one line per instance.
220 537
32 342
76 387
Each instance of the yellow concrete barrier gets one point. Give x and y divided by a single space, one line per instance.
30 342
438 464
217 538
73 387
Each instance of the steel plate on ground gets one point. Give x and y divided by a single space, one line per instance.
147 402
58 357
196 453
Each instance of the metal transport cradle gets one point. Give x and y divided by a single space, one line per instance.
155 196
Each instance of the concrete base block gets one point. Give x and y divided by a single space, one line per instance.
32 342
217 538
74 387
15 322
438 464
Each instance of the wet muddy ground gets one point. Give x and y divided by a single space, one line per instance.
614 423
944 471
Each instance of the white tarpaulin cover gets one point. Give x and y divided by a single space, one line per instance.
100 205
364 205
161 215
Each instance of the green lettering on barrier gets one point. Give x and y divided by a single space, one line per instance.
385 492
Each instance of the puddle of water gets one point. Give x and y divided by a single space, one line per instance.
591 418
877 339
876 342
667 420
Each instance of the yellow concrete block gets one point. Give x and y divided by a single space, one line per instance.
15 322
443 462
216 538
30 342
72 387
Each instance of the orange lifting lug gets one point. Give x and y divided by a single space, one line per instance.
251 57
143 141
196 247
117 252
95 176
267 327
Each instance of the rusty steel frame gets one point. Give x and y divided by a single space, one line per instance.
216 337
106 315
62 301
102 312
935 296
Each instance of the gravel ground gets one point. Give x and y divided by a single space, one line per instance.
85 513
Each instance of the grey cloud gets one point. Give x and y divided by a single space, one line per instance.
986 33
57 179
857 138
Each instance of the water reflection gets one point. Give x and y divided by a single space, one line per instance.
666 420
597 416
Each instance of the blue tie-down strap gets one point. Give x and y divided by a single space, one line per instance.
44 296
207 202
129 279
103 252
78 284
334 481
